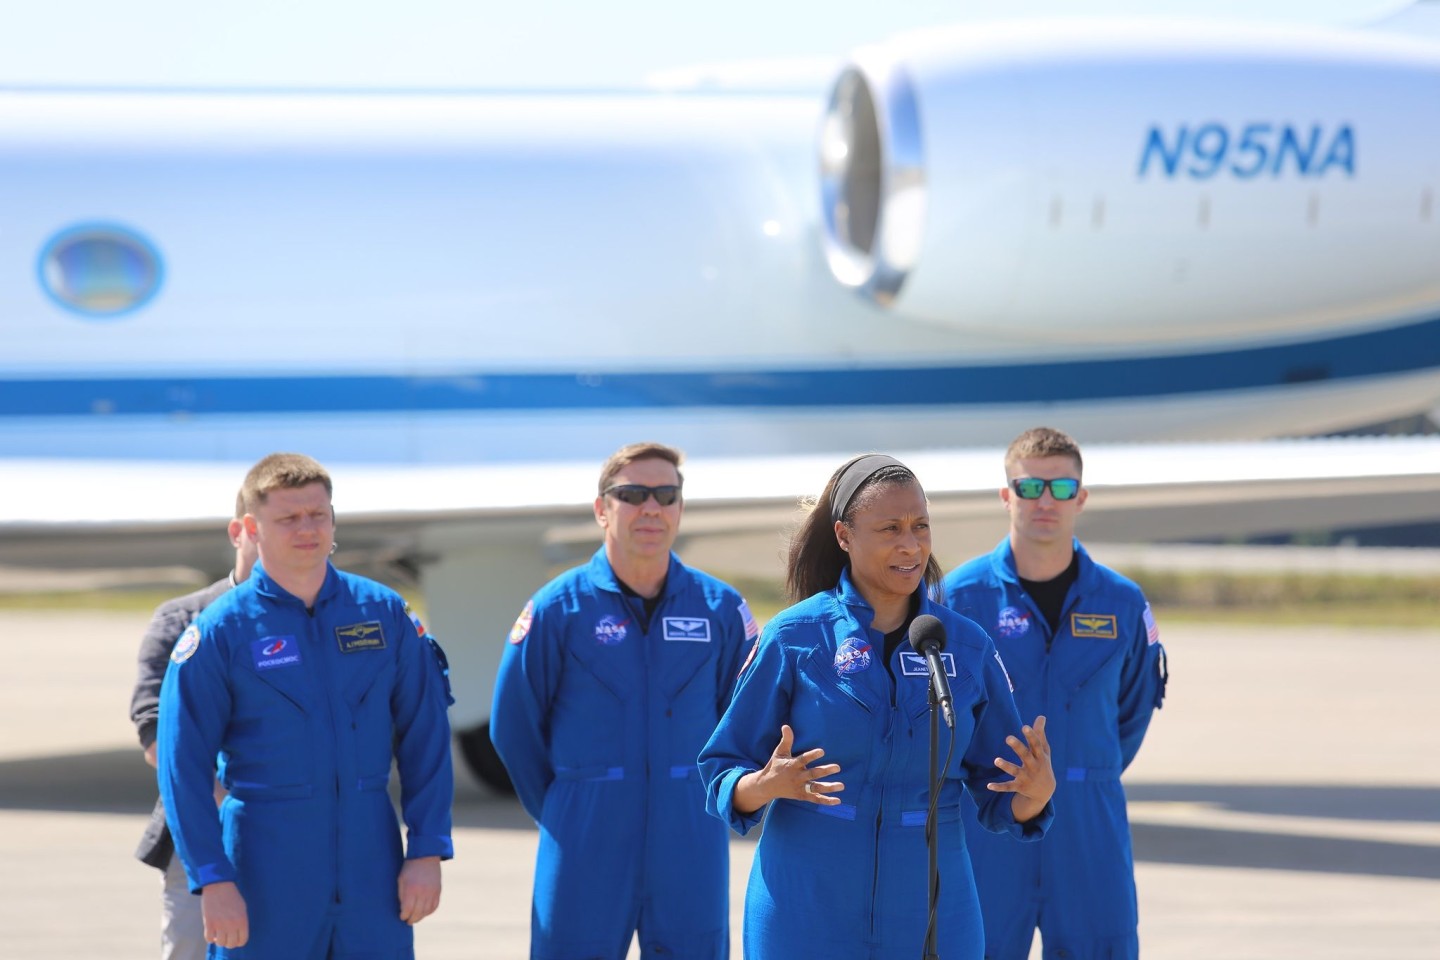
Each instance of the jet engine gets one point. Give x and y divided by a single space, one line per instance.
1106 183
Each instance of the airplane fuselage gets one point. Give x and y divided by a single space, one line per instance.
1148 232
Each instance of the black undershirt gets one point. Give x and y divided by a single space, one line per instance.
1049 595
900 634
650 603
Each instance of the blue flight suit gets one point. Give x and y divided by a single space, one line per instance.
849 881
305 711
1101 679
598 716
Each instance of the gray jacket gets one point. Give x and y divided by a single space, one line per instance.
170 620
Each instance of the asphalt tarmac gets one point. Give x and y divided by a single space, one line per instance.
1286 803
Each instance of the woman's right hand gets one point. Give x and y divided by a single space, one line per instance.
789 777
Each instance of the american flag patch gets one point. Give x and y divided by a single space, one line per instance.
1152 632
1008 682
749 658
752 629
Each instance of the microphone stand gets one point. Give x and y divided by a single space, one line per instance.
932 835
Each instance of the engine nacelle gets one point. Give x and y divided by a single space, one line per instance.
1121 183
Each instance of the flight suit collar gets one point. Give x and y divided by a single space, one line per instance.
1002 561
873 685
602 575
849 594
266 586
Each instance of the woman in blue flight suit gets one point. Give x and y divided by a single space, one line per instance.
841 871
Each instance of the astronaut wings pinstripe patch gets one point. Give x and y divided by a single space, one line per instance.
693 629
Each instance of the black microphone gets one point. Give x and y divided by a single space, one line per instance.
927 636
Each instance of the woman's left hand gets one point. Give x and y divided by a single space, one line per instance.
1034 782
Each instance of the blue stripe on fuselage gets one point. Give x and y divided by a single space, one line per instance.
1396 350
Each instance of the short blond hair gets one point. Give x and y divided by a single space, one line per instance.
281 471
1039 442
634 452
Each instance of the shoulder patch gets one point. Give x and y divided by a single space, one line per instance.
415 619
752 629
1008 682
521 629
1152 631
186 646
749 658
443 663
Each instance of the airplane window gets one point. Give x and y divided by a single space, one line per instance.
100 270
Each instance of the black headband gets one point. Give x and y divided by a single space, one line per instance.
853 477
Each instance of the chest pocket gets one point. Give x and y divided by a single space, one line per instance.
268 744
845 715
691 692
369 685
1090 666
588 712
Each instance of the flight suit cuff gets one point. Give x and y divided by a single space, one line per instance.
741 823
1036 826
222 871
419 845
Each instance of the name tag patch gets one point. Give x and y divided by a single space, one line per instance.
914 665
361 636
1100 625
693 629
271 652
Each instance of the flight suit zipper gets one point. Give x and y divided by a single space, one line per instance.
320 655
887 742
645 623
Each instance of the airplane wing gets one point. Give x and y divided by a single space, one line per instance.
461 302
481 538
71 514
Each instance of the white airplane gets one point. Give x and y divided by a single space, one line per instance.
1138 231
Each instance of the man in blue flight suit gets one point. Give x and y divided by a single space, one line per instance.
614 677
304 682
1082 648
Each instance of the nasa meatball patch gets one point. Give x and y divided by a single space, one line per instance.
852 657
1012 622
186 646
610 631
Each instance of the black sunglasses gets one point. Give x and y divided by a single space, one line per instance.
637 493
1032 488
